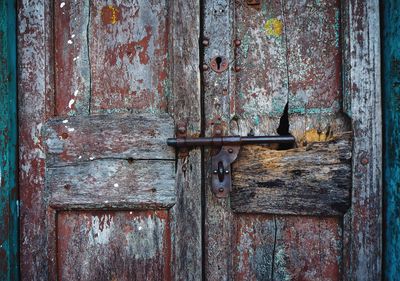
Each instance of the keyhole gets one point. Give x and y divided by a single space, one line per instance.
218 60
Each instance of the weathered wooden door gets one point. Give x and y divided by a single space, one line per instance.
283 219
103 84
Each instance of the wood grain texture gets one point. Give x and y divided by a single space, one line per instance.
391 108
82 138
312 180
185 107
71 54
35 105
286 248
114 245
8 139
283 41
129 72
261 85
218 98
113 184
365 242
111 57
314 69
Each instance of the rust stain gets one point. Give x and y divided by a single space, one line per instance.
314 135
274 27
110 14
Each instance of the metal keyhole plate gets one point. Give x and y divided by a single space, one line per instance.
219 64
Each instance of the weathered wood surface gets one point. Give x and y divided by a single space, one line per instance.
391 107
363 256
83 138
311 180
288 81
185 107
8 138
261 85
218 95
123 184
286 248
111 57
35 105
122 245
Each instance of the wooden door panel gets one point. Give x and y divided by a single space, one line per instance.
286 79
310 180
111 56
286 248
117 245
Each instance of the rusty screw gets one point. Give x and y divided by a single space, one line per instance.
237 68
364 161
205 67
205 42
237 42
230 150
221 190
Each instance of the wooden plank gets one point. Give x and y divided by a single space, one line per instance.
119 245
364 258
261 85
286 248
112 184
71 57
35 90
218 98
391 107
130 72
185 107
314 70
312 180
8 139
83 138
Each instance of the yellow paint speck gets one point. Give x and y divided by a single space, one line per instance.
273 27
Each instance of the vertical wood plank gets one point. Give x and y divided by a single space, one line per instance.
35 106
391 107
364 254
71 54
218 94
261 85
8 138
116 245
130 72
314 70
185 106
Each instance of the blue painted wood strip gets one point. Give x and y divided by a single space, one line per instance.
8 139
391 88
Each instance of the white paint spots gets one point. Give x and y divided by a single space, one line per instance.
76 58
91 158
76 93
62 4
140 228
71 129
106 201
73 36
65 121
130 213
116 184
71 102
80 157
69 42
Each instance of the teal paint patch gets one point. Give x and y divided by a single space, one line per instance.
337 28
391 159
8 140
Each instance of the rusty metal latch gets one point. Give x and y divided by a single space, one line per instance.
221 163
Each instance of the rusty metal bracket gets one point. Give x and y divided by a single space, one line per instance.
219 64
221 162
221 170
